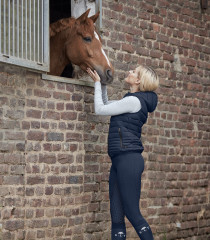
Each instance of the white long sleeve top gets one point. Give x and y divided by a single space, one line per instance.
103 106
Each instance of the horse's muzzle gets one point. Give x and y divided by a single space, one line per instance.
106 76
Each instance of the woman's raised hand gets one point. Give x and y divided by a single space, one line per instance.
93 74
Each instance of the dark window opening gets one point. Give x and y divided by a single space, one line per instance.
59 10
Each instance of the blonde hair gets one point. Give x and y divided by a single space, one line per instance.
149 80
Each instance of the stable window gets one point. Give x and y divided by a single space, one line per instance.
24 33
72 8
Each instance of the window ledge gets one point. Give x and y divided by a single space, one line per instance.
85 82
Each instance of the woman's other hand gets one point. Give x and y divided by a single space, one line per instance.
94 75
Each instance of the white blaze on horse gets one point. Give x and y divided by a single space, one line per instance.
76 41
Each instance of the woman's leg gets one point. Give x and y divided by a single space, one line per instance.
116 208
129 169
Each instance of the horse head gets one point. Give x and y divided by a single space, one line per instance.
83 46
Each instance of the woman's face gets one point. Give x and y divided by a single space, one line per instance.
132 77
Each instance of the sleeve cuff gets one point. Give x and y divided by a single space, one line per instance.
97 83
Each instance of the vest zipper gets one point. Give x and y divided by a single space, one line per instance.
121 144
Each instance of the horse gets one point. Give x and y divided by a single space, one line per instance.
76 41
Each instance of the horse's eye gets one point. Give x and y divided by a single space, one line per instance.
87 39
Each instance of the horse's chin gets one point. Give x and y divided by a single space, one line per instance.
104 79
106 82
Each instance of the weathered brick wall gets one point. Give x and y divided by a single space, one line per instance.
54 166
53 175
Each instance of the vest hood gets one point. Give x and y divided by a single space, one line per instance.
150 99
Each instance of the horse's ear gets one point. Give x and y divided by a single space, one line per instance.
95 17
84 16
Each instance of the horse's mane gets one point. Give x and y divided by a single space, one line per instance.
61 25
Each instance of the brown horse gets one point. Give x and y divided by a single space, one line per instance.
76 41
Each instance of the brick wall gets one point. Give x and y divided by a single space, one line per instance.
54 166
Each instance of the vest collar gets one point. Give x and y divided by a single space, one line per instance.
129 93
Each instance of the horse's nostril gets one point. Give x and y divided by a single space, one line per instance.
109 73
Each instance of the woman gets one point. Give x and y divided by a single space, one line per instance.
125 147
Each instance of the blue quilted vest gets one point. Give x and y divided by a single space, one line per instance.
125 129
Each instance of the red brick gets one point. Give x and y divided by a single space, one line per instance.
142 51
31 103
35 124
47 147
91 187
77 97
69 115
35 135
55 180
42 93
58 222
14 136
51 115
12 224
130 11
174 41
61 86
4 101
116 6
163 3
47 158
146 7
60 106
73 147
50 105
56 147
73 137
11 180
49 190
61 96
127 48
149 35
91 168
65 158
39 213
168 57
162 38
114 45
155 54
157 19
186 11
191 62
29 192
35 180
144 15
38 223
69 106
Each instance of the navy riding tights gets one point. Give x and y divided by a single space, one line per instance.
124 194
